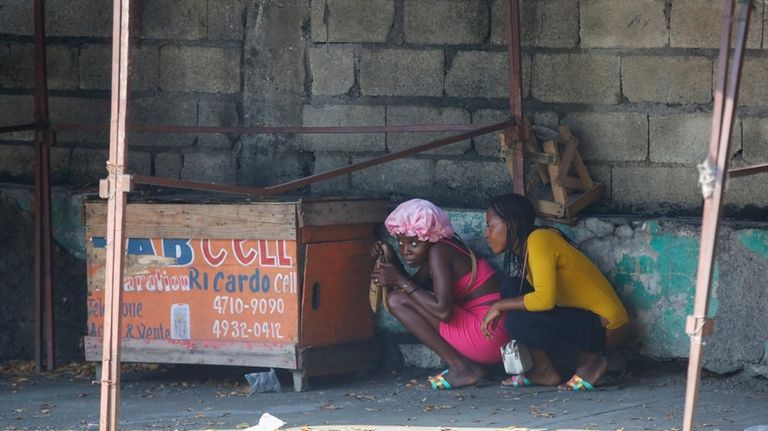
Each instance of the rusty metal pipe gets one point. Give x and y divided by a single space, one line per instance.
517 133
156 128
747 170
18 128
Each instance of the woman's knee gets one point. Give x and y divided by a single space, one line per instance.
396 300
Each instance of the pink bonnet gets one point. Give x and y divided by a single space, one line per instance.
421 219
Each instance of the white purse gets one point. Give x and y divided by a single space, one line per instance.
516 357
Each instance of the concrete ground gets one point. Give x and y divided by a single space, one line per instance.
207 397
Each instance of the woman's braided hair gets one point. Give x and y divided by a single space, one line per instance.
520 217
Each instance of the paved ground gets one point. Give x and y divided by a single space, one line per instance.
201 398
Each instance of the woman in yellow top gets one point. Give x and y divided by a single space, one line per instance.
565 310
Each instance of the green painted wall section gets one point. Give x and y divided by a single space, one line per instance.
754 240
66 215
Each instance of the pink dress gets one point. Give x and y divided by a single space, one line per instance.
463 331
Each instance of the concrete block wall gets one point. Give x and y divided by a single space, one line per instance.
632 78
186 70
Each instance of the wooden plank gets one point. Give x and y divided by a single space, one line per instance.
341 232
548 208
558 191
583 200
263 220
582 172
340 358
323 213
334 306
566 160
199 352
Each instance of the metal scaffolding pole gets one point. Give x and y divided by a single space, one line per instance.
712 178
515 136
43 278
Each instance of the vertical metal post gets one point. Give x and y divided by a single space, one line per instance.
713 180
516 136
118 184
44 316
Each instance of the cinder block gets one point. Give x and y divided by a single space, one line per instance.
483 74
684 138
670 80
333 70
344 115
610 136
165 109
401 72
656 188
408 176
352 20
62 67
17 110
545 23
80 110
17 161
488 145
217 167
754 82
89 164
17 68
623 23
546 119
82 18
412 115
139 163
750 190
270 159
17 17
198 69
168 165
95 64
326 161
445 22
698 24
482 179
755 135
174 19
226 20
576 78
217 111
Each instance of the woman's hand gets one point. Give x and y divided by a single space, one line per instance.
387 274
490 321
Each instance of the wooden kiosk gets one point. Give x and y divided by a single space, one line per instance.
266 284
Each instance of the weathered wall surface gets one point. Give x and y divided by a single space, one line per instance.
633 78
16 273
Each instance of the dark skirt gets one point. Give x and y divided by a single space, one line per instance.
561 332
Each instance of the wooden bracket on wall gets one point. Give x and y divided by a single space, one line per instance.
559 164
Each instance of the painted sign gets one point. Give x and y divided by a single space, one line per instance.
201 289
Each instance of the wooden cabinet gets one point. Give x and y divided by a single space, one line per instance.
264 284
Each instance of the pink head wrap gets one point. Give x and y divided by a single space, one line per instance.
421 219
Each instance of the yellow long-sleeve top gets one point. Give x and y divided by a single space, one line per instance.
562 275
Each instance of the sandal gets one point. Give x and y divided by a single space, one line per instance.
516 381
439 383
430 379
577 384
